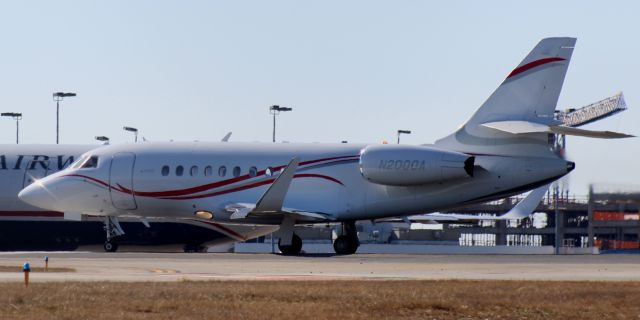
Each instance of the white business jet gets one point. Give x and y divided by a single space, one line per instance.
502 150
25 227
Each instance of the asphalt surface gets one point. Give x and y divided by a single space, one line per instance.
136 266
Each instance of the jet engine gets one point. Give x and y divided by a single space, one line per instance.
400 165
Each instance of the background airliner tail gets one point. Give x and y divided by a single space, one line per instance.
529 94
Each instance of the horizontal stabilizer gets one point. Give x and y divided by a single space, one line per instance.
589 133
524 127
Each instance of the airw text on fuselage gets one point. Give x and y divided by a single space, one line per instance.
33 162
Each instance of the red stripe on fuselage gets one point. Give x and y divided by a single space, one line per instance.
31 214
192 190
89 178
183 194
321 176
249 186
532 65
302 163
217 193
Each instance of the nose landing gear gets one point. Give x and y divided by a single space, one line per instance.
110 246
113 229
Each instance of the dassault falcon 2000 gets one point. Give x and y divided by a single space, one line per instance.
502 150
24 227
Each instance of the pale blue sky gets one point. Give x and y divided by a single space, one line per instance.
352 70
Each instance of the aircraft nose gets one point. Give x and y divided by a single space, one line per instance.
570 166
37 195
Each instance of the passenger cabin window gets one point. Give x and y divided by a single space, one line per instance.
179 171
91 162
165 171
222 171
253 171
194 171
208 171
236 171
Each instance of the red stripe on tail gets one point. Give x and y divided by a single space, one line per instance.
532 65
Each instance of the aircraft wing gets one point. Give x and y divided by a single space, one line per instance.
270 205
247 210
521 210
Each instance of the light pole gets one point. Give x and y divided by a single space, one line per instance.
104 139
17 117
134 130
275 110
57 97
401 132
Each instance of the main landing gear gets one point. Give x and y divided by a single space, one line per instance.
348 242
193 248
293 249
113 229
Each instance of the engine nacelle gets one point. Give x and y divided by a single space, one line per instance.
400 165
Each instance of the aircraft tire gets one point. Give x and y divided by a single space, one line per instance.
110 246
346 245
190 248
293 249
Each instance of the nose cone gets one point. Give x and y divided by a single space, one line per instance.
37 195
570 166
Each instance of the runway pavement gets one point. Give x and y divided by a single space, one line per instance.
135 266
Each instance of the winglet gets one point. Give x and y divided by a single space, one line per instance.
273 199
527 205
522 210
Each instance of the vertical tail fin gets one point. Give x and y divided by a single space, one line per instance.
529 93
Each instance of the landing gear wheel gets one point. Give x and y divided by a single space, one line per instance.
113 229
110 246
345 244
293 249
192 248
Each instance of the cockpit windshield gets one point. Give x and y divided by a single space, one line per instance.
92 162
79 162
86 162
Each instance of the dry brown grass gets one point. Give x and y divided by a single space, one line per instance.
34 269
322 300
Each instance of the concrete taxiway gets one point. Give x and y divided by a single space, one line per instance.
137 266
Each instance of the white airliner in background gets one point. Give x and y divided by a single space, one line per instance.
502 150
25 227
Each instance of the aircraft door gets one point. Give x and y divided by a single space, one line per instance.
35 169
121 181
